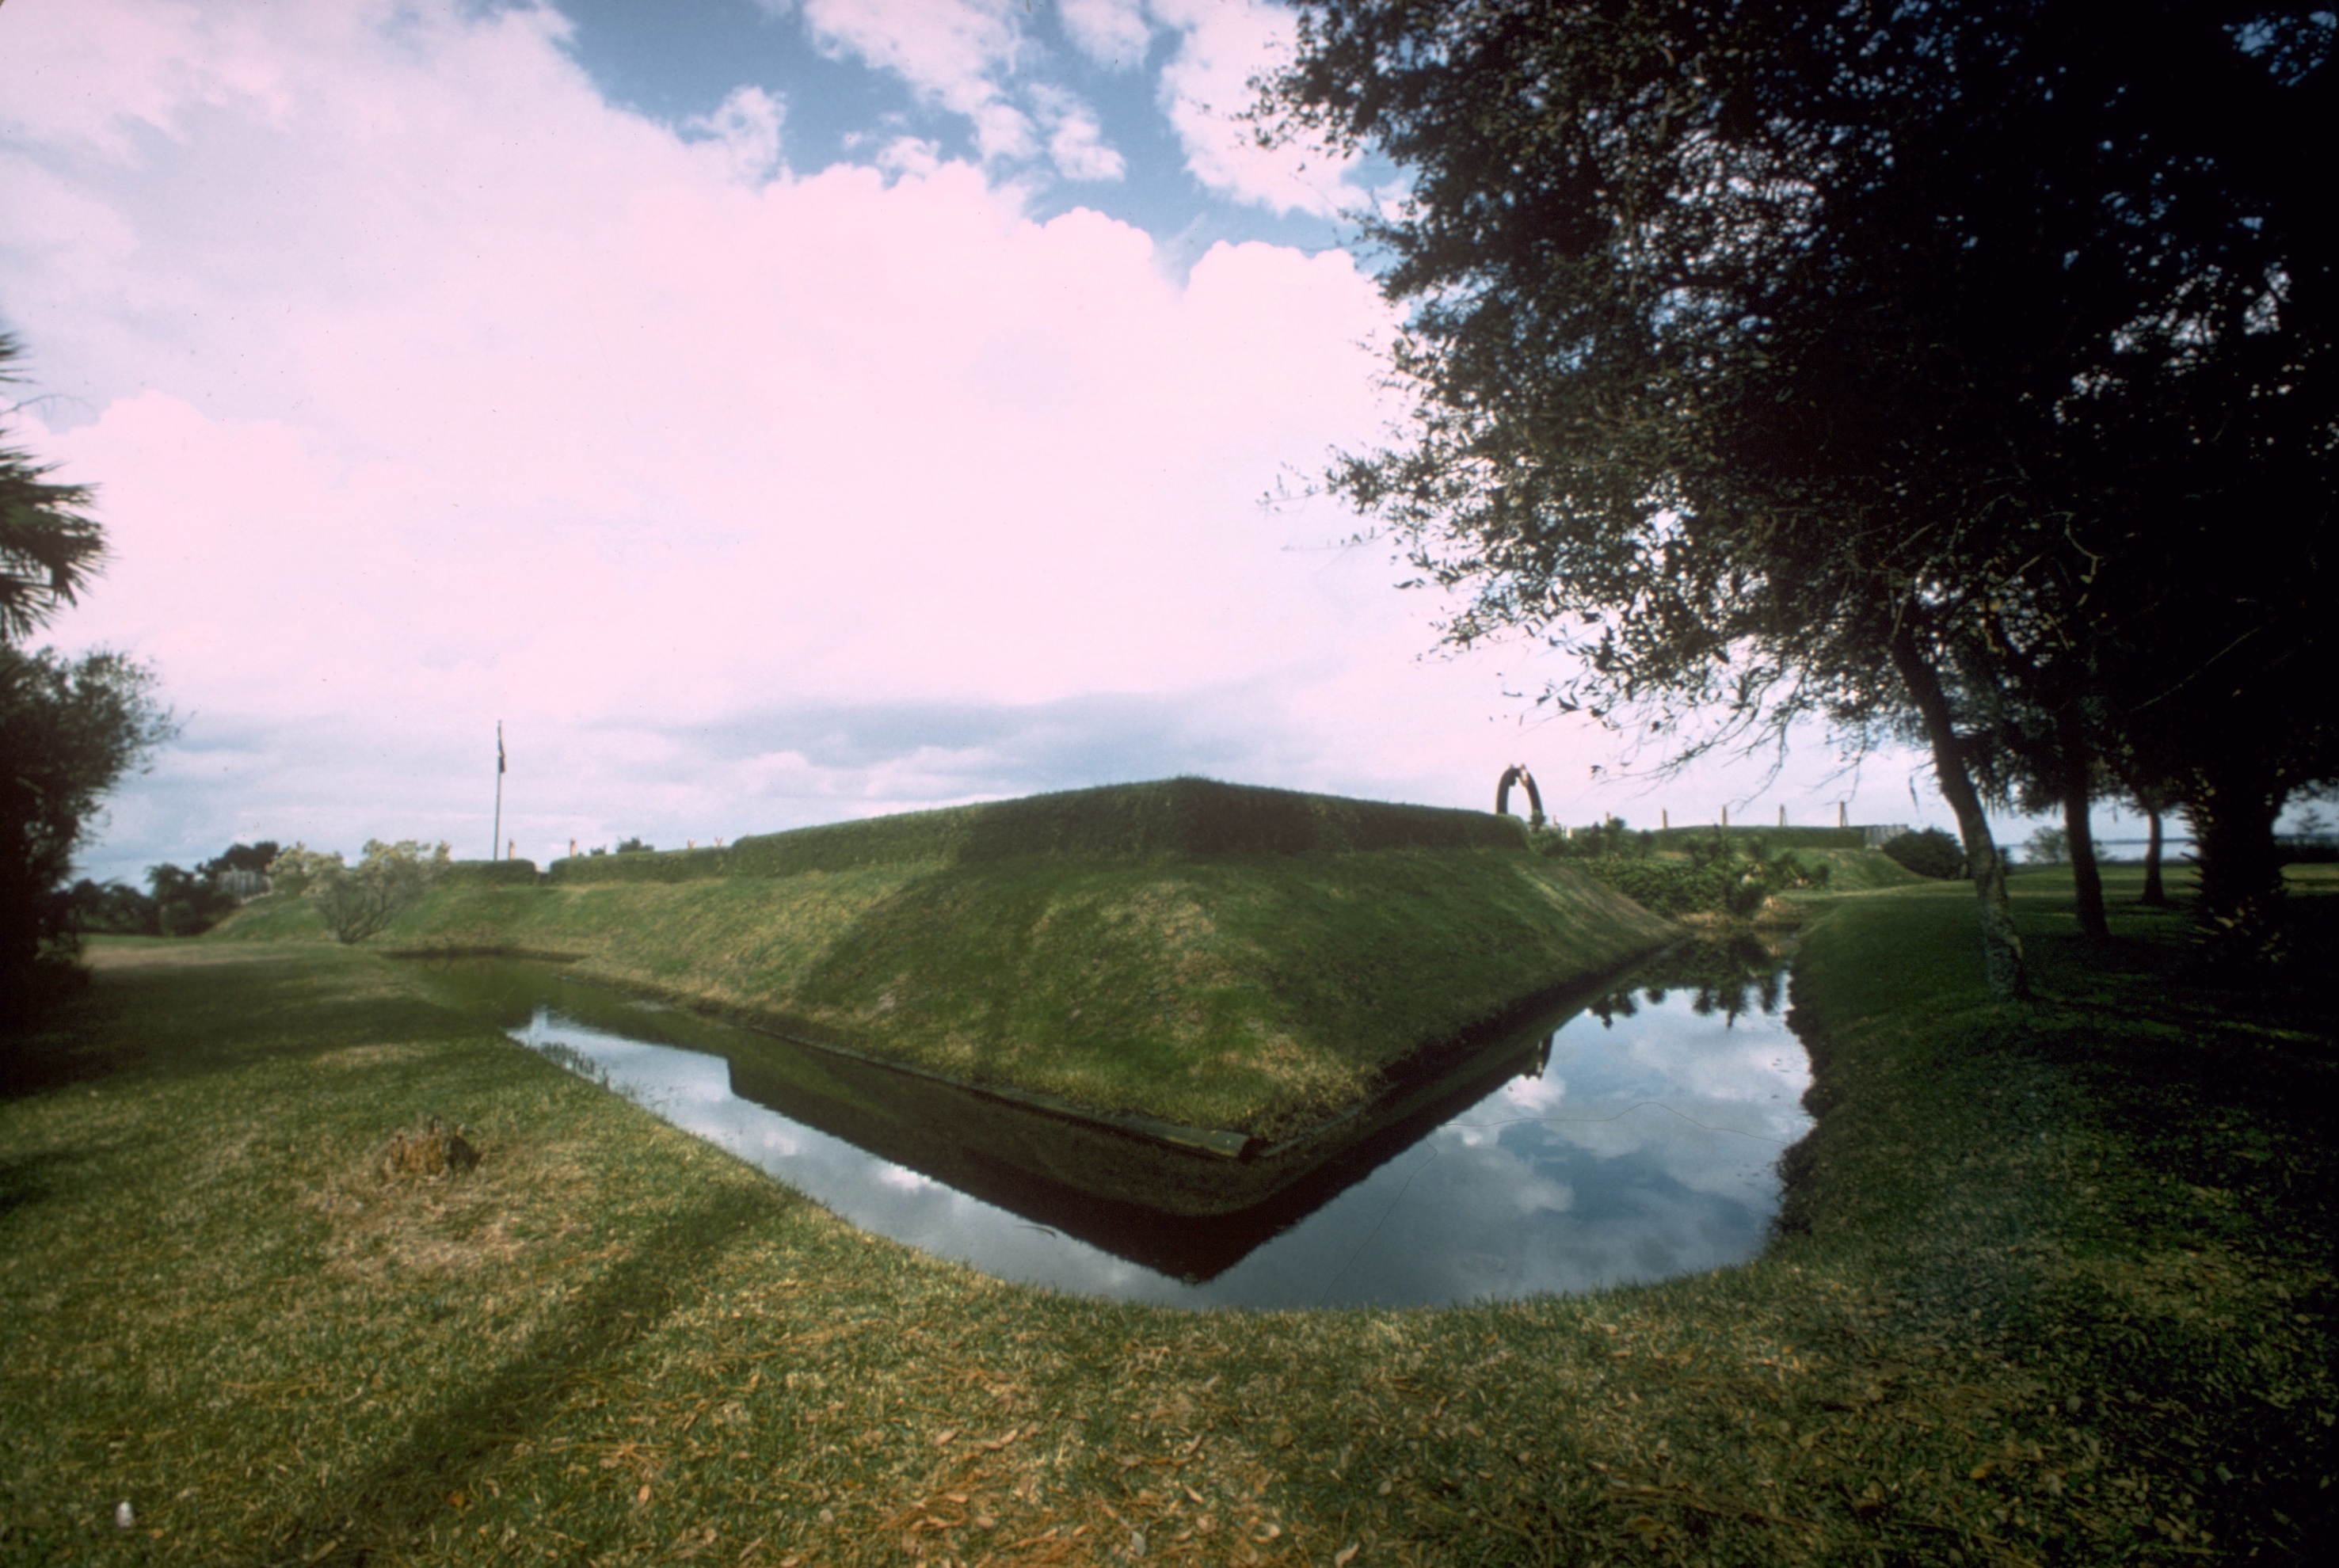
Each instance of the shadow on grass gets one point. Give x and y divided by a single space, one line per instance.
2220 1081
385 1508
57 1172
24 1179
2297 996
210 1022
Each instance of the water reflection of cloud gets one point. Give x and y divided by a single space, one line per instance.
760 1143
1741 1069
1538 1193
1622 1220
1639 1153
1714 1060
1747 1077
1535 1095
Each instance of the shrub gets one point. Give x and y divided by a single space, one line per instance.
1776 838
1931 853
643 865
359 901
1604 840
1715 881
1666 887
1674 888
112 907
490 874
2047 847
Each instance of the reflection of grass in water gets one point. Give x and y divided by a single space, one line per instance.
2063 1271
566 1055
596 1073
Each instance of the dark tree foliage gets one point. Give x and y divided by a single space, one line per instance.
2046 760
181 903
1853 360
1931 853
48 544
70 728
255 858
112 908
2202 451
187 902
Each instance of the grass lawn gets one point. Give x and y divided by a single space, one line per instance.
2061 1292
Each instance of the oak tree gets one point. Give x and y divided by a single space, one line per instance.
1782 361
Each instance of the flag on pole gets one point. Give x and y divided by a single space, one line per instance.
499 791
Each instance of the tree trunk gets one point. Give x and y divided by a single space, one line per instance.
2078 777
2152 892
2232 806
20 890
2001 945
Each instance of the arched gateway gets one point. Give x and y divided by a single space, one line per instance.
1517 774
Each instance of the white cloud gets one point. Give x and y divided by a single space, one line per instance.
1001 131
912 155
970 56
1223 44
1112 33
161 61
1075 142
432 391
950 50
424 389
967 56
748 125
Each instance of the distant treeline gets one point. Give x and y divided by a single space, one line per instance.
178 902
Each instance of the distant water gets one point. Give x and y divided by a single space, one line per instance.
2174 848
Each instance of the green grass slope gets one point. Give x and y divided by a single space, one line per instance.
1238 959
1860 870
2062 1293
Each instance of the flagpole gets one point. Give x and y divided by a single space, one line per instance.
496 849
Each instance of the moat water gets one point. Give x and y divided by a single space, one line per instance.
1637 1141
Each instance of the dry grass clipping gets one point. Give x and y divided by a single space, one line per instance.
429 1153
429 1205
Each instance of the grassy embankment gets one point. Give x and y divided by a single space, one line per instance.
1220 957
1727 878
2064 1296
1860 870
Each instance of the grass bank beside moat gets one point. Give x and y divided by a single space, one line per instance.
1212 955
2064 1294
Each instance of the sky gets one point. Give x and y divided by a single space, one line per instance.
770 412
